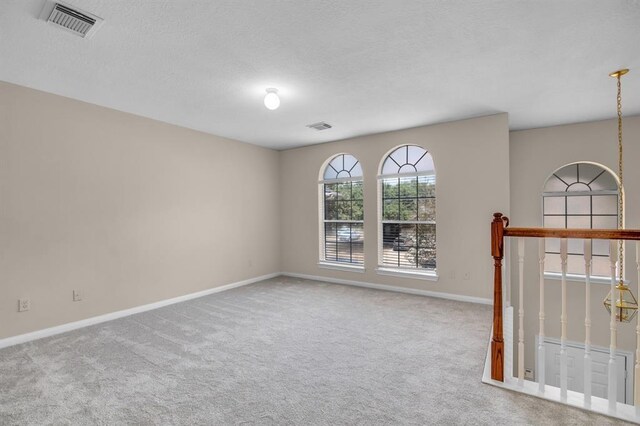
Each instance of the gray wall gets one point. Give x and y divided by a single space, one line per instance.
131 211
126 209
534 155
472 167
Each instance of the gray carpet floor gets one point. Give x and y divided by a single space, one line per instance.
283 351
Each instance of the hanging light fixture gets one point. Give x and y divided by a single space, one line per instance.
625 303
271 99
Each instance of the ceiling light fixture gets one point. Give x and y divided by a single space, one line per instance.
620 298
271 100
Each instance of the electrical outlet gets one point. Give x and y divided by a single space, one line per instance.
467 276
24 305
528 374
77 296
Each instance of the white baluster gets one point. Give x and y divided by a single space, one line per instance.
636 379
541 351
506 277
563 322
612 394
587 324
521 311
509 317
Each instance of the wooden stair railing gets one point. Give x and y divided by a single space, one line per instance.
497 340
499 230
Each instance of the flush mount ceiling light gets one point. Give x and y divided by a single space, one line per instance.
271 99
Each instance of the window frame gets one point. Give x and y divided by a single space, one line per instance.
544 195
398 270
322 182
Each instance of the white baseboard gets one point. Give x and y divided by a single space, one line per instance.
51 331
450 296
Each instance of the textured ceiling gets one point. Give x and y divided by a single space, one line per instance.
364 66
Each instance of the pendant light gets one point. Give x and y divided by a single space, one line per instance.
625 303
271 99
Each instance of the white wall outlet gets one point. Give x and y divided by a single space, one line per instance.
528 374
24 305
77 296
467 276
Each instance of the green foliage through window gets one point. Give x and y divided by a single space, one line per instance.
343 210
409 209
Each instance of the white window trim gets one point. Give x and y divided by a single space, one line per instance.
594 279
404 175
340 266
579 278
423 274
578 193
322 262
428 274
412 222
340 180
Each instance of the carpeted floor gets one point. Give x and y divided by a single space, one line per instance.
283 351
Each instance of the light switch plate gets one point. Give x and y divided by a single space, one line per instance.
24 305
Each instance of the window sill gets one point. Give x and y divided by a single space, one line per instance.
580 278
430 275
341 267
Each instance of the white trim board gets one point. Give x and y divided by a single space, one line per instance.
52 331
552 393
58 329
428 293
630 360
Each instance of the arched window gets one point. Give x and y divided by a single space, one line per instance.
408 210
342 233
580 195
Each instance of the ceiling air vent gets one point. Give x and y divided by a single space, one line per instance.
319 126
74 20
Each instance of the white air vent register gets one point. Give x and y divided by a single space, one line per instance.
319 126
72 19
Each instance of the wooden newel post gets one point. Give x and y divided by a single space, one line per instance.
497 252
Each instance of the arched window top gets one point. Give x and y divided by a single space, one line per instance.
408 159
343 166
581 177
580 196
407 212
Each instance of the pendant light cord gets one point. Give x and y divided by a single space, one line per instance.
621 195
